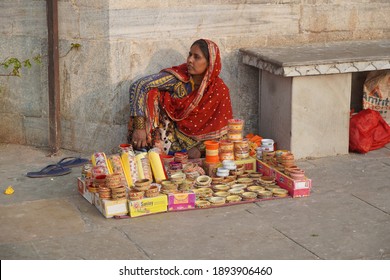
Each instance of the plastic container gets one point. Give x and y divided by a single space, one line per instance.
234 136
235 129
267 145
226 155
225 146
241 149
259 153
236 124
212 149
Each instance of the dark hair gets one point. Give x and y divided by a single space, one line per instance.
203 47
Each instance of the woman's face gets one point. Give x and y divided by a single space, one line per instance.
196 61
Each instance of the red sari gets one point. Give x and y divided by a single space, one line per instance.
204 113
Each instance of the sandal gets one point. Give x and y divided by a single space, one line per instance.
69 162
51 170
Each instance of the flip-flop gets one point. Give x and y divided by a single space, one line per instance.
51 170
72 162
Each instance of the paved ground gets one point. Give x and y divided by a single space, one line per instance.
347 216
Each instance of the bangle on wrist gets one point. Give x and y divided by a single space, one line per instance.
139 123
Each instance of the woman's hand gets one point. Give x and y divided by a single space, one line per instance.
139 139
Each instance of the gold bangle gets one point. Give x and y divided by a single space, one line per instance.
139 123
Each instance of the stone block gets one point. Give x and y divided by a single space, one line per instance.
320 115
23 94
21 19
92 137
11 127
94 23
206 20
36 131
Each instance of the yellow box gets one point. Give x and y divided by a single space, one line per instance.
148 206
249 163
111 208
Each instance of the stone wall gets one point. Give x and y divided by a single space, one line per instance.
124 40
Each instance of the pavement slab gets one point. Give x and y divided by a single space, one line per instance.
107 244
233 232
17 160
338 226
38 219
18 251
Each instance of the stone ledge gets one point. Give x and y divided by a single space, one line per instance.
320 59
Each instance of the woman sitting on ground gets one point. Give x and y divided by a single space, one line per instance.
182 106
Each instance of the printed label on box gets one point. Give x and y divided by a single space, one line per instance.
181 201
148 206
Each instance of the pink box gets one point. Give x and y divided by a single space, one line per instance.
264 168
296 188
181 201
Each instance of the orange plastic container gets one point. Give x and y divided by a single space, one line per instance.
212 148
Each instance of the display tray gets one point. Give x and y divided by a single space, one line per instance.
209 207
240 202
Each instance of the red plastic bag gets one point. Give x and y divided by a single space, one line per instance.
368 131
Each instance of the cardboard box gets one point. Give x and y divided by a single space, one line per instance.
296 188
81 186
181 201
82 189
149 205
249 163
111 208
264 168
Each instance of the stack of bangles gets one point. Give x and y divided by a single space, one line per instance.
193 167
173 165
181 157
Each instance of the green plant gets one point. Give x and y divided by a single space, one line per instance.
76 46
15 65
73 46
